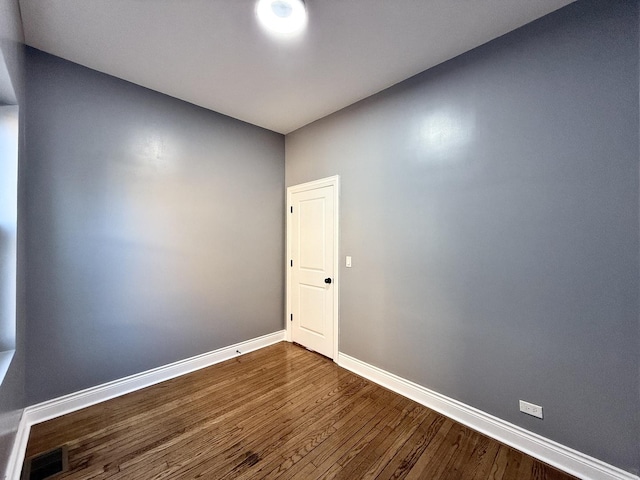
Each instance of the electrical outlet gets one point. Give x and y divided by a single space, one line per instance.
530 409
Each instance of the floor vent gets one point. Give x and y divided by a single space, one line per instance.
46 465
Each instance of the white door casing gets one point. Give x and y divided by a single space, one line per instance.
312 259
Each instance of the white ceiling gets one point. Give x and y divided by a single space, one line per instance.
212 52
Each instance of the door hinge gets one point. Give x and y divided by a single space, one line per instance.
291 209
292 317
292 263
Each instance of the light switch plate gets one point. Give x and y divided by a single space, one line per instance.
348 262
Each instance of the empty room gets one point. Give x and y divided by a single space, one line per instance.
320 239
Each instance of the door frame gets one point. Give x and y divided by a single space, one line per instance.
303 187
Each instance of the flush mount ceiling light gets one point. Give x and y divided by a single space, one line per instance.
282 17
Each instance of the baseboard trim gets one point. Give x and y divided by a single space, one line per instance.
16 459
85 398
548 451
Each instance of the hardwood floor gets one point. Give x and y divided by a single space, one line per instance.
280 412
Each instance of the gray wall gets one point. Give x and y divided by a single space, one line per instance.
491 208
155 229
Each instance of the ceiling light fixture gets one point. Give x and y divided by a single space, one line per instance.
282 17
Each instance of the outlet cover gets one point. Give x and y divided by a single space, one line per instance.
531 409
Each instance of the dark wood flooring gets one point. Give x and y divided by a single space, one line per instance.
280 412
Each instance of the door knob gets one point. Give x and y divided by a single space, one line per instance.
327 280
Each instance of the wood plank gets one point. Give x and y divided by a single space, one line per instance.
407 456
278 413
227 434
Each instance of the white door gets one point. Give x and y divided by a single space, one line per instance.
312 284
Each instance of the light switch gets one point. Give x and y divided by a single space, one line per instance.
348 263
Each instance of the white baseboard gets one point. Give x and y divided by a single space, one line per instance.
90 396
548 451
14 465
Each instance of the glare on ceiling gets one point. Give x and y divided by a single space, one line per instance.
282 17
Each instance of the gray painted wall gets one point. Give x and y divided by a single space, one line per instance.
491 208
155 229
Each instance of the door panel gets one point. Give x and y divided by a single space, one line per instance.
312 311
311 243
